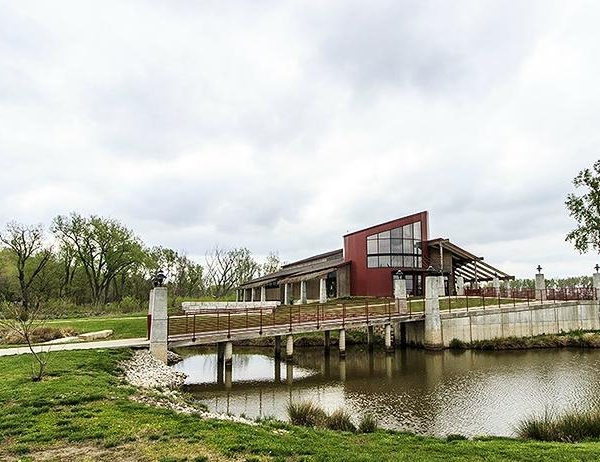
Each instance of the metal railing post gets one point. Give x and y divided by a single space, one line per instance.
194 328
343 314
367 309
229 324
290 318
261 321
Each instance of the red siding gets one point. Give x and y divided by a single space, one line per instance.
376 282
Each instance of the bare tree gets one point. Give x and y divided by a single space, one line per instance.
226 269
26 246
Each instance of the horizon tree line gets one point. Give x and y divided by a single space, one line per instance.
97 261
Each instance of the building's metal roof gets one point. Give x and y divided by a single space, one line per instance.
468 265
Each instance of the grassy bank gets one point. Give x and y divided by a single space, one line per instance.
578 339
122 327
83 411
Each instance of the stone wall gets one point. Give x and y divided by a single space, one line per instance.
520 321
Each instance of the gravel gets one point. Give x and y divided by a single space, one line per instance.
157 381
143 370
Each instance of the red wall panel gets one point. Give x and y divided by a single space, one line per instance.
376 282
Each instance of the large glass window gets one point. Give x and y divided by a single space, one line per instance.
397 248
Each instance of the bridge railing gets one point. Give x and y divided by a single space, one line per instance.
289 316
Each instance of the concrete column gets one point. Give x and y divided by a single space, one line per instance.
322 290
460 286
289 373
289 348
252 294
159 323
263 294
220 352
277 347
277 371
228 354
303 292
389 371
596 285
388 338
228 378
496 285
342 343
370 337
400 296
433 321
327 341
243 295
540 287
286 293
342 369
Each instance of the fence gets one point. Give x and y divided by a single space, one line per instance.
293 316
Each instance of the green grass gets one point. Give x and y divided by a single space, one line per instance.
82 406
122 327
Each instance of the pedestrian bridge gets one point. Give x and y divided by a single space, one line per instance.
431 322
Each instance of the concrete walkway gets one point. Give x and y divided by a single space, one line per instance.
124 343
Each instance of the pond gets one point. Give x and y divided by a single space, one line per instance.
436 393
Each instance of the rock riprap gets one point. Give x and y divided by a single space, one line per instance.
143 370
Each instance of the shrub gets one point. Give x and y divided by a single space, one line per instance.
306 414
457 344
569 427
340 420
129 304
367 424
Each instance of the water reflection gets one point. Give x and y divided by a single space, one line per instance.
473 393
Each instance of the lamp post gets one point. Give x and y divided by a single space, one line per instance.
539 268
159 279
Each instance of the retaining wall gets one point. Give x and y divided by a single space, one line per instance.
509 321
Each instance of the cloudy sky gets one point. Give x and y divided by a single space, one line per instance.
278 125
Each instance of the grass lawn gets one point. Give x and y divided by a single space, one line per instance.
83 412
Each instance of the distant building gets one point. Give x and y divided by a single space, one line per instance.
367 264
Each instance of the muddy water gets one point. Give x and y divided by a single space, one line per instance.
436 393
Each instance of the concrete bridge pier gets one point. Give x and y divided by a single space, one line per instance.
289 373
389 347
433 322
596 285
289 348
389 366
228 378
370 337
400 295
228 354
342 343
342 366
327 342
220 372
277 370
277 349
221 352
158 323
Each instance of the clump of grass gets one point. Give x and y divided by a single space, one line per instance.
457 344
340 420
368 424
455 437
306 414
570 427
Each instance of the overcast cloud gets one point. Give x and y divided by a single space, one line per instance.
279 125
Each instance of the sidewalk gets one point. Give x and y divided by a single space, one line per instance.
124 343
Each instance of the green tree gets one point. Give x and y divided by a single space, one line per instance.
104 247
585 209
